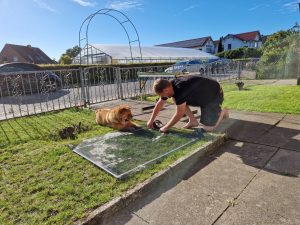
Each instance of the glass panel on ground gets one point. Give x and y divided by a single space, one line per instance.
121 153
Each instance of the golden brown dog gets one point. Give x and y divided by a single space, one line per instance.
118 118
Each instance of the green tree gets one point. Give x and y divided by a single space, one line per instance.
220 45
65 59
69 55
280 55
73 52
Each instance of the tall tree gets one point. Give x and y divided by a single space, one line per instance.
220 45
73 52
65 59
69 55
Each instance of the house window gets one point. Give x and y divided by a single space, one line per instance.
15 59
208 50
229 46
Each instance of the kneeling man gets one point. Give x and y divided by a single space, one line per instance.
190 91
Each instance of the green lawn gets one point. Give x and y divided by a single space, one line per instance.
260 98
263 98
43 182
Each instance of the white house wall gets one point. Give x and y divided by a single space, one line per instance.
237 43
209 47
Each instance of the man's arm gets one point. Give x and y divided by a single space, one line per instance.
156 110
180 111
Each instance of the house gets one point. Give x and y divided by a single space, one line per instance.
216 44
205 44
27 54
251 39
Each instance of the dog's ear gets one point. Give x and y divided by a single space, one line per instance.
124 108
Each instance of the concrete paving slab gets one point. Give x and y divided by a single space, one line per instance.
265 118
285 82
136 106
248 126
247 131
180 206
203 194
248 214
233 166
292 118
285 135
285 162
164 120
218 177
253 155
224 126
269 199
168 113
125 217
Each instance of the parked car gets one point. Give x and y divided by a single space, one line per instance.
27 78
195 65
219 65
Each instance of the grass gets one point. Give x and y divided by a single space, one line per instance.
43 182
263 98
259 98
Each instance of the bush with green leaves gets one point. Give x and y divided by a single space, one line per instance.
241 53
280 56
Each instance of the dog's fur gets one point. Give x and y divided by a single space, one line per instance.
117 118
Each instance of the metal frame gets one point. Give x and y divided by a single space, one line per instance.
84 38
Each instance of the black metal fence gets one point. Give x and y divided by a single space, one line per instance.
29 93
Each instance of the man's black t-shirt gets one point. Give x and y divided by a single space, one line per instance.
195 90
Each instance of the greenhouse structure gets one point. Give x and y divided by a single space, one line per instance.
123 54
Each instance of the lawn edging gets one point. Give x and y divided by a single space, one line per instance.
171 175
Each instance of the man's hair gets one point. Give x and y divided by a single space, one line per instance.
160 84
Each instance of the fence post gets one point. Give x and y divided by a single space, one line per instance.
83 90
119 83
298 71
239 70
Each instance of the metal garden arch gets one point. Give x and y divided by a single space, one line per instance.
84 30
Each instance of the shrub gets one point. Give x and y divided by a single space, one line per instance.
241 53
280 56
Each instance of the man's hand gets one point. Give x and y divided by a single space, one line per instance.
164 129
150 124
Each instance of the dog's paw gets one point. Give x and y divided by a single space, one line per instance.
137 126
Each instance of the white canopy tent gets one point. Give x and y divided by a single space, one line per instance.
112 54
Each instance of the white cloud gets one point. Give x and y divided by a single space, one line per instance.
259 6
190 8
85 3
44 5
124 5
291 6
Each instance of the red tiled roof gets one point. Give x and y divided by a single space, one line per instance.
248 36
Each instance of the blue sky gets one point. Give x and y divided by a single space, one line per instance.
53 25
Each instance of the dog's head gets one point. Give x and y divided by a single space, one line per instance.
124 113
